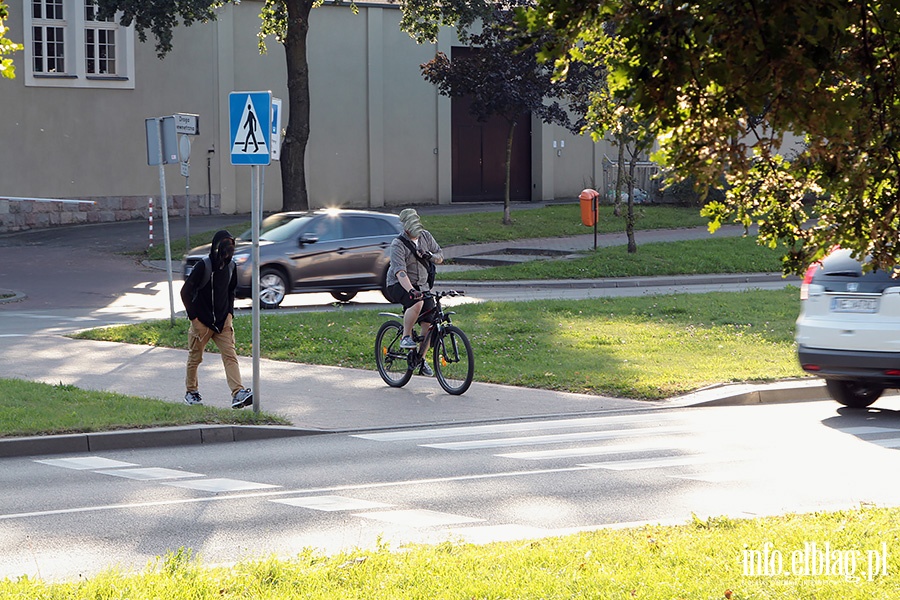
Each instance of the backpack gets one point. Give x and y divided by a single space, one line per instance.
207 275
432 269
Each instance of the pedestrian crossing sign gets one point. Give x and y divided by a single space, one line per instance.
250 124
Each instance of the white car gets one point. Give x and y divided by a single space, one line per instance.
848 331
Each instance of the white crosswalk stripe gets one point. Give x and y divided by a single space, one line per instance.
621 442
517 427
536 440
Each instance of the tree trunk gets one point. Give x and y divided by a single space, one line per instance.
620 176
629 219
293 148
507 219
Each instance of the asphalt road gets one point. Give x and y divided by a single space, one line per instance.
65 518
74 515
86 266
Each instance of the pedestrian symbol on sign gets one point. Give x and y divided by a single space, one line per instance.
251 126
250 123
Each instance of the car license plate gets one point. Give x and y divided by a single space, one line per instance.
854 305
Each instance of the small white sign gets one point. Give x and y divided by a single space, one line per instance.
187 124
276 128
185 169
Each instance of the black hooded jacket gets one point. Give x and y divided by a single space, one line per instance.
214 301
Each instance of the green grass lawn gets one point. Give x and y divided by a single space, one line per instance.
647 347
28 408
466 228
705 559
692 257
551 221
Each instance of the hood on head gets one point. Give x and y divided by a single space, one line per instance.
214 248
411 224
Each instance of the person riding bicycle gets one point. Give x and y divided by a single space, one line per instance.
407 279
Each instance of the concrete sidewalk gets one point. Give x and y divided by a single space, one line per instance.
315 399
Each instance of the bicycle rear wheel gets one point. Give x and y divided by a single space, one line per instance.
390 358
454 363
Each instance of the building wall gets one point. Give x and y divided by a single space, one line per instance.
379 136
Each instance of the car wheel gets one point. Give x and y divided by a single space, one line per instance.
344 296
854 394
272 288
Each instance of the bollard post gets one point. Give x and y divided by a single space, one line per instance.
150 200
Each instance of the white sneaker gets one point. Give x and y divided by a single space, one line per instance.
193 398
244 397
408 342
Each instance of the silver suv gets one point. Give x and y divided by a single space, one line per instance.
848 331
341 252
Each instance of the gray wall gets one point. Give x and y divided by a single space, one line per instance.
380 135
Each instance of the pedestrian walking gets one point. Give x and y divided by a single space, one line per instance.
208 297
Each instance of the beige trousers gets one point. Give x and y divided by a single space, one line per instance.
198 336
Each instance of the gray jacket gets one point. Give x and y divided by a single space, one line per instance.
404 260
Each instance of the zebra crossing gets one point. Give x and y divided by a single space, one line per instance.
687 446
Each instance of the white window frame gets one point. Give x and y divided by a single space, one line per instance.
75 26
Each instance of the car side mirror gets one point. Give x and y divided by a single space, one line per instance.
308 239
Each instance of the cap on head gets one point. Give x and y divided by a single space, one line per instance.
411 223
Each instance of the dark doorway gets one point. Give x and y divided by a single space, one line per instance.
479 155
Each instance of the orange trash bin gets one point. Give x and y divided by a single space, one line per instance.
588 207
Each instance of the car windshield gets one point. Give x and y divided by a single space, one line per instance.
277 228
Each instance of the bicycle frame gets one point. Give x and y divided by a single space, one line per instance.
448 343
440 318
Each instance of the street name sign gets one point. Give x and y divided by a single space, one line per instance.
187 124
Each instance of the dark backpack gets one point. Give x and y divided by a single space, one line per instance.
432 269
207 275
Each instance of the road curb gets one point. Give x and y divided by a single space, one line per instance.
774 394
145 438
626 282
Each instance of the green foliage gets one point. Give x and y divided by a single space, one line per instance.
7 46
724 85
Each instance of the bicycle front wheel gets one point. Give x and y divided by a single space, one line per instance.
390 358
454 364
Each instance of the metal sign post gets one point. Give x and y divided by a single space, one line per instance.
162 127
184 150
254 208
162 150
165 212
250 124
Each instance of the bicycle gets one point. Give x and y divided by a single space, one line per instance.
454 364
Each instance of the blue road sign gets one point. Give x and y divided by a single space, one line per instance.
250 123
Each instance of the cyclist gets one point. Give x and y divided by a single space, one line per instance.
407 279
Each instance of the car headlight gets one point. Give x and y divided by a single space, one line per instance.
241 259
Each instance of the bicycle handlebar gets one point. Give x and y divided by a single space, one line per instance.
443 293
